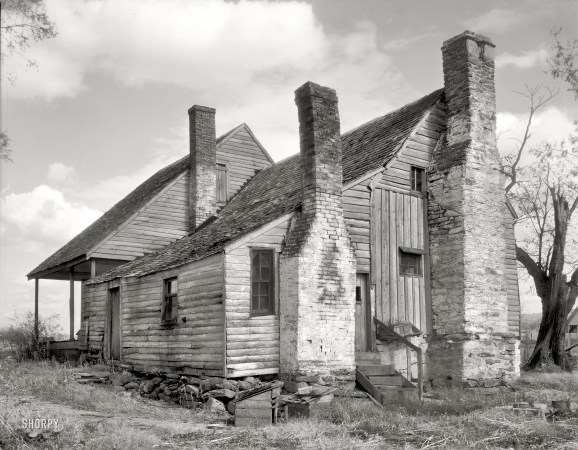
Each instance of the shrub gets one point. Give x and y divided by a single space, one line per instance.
20 338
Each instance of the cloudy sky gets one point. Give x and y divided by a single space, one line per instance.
108 104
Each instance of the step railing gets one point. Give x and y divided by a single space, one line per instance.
410 347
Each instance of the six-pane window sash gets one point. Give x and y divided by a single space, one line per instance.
170 306
262 277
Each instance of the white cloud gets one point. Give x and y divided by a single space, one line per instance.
61 173
526 60
246 57
496 21
548 124
44 215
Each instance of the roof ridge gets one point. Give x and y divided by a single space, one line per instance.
407 105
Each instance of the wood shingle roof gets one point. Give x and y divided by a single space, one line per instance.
276 191
117 215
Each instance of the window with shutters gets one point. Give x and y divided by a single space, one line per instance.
222 183
169 307
262 283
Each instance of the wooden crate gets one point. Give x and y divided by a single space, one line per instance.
306 409
256 411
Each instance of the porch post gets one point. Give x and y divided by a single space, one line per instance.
36 308
71 304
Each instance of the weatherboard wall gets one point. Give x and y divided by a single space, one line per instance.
252 342
195 343
161 222
243 157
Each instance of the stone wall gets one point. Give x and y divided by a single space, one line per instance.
317 267
203 172
467 237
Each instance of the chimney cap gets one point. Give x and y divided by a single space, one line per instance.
314 89
202 108
479 38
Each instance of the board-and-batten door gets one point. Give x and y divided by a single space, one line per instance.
362 314
114 324
398 253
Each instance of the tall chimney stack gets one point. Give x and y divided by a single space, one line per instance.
466 202
203 166
317 267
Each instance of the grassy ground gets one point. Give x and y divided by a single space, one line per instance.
97 417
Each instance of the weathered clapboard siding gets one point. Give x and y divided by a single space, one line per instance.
252 342
512 275
194 346
417 151
160 223
397 221
92 308
356 210
243 157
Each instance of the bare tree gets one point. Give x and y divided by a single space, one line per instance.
545 195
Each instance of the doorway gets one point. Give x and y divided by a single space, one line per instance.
362 314
114 323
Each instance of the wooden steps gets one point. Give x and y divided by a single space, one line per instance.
386 384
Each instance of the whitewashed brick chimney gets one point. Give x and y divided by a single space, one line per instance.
317 267
203 165
466 201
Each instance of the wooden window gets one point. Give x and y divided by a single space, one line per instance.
262 283
222 183
417 179
169 307
409 263
573 329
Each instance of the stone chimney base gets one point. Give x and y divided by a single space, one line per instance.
473 360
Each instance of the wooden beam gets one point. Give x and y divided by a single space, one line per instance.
36 308
66 265
71 303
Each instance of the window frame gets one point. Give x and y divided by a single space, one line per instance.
271 310
174 302
222 167
418 253
572 329
412 178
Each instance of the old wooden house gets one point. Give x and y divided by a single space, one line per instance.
226 263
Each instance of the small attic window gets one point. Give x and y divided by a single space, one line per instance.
222 183
417 179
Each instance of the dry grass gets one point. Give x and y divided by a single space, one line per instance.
459 419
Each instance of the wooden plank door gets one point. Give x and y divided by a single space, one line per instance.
114 326
362 313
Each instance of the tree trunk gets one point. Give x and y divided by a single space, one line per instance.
549 347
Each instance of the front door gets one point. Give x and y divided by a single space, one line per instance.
114 325
362 321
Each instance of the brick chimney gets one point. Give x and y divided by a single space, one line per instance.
203 166
466 203
317 267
